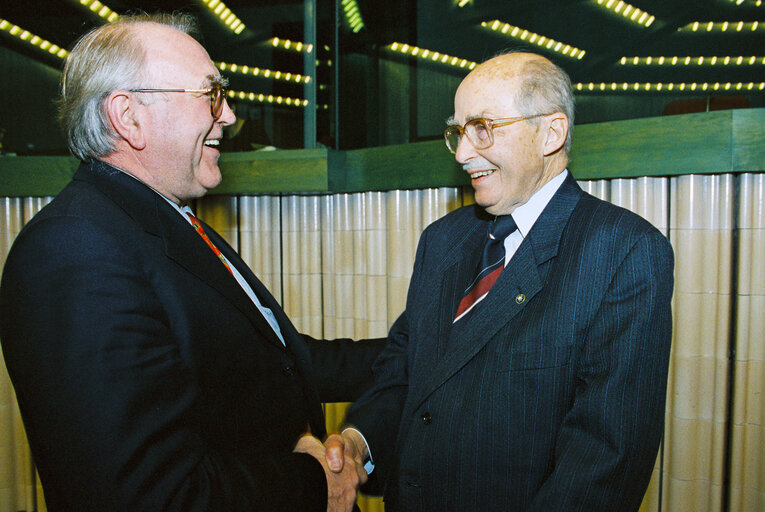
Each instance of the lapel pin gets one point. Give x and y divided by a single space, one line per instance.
520 298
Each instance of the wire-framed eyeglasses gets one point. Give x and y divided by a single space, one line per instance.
216 92
479 131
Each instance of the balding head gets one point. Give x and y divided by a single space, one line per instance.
533 83
109 57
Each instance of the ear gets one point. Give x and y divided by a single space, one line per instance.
122 110
557 131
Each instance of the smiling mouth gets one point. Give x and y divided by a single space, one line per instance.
212 142
481 174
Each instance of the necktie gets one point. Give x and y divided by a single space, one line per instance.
491 266
198 226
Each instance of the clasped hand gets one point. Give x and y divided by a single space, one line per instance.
342 465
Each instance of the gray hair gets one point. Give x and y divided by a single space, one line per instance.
106 59
546 88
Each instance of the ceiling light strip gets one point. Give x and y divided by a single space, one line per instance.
725 60
531 37
628 11
100 9
228 18
432 56
295 46
757 3
32 39
353 15
263 72
668 87
723 26
270 99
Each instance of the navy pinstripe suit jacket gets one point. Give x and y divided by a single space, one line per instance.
549 395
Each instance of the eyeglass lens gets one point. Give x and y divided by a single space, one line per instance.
477 131
216 99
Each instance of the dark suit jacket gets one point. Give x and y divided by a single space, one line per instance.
549 395
146 378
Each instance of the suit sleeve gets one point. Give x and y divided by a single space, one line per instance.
609 439
342 368
106 395
377 413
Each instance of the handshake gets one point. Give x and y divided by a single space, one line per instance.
342 457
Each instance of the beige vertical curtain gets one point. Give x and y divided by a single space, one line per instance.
340 264
747 487
19 485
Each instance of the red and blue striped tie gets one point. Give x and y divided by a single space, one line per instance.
491 266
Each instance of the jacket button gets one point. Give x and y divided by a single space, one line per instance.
427 419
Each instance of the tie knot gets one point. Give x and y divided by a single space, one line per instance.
501 227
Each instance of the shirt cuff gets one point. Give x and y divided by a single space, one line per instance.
368 465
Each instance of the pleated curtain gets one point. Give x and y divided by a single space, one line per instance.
340 264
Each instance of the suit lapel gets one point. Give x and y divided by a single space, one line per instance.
217 276
182 244
519 283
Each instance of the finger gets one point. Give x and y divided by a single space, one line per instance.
309 444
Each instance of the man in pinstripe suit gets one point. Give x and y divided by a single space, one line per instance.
549 393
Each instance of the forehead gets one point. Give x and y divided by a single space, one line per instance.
483 94
173 56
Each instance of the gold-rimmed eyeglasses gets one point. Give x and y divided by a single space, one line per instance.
479 131
216 92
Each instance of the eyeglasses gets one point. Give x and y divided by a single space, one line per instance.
479 131
216 92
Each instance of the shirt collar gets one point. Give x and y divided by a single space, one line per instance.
527 214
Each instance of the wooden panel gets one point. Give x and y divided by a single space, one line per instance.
749 140
405 166
704 143
657 146
270 172
23 176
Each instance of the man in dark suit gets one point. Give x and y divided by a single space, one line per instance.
153 370
544 391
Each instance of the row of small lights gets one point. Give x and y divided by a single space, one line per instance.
61 53
424 54
32 39
687 60
723 26
705 86
525 35
224 13
100 9
215 6
628 11
353 15
291 45
265 73
271 99
739 2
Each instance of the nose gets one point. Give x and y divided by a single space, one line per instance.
227 116
465 150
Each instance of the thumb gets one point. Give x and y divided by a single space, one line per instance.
334 452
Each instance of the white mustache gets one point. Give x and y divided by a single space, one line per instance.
477 165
